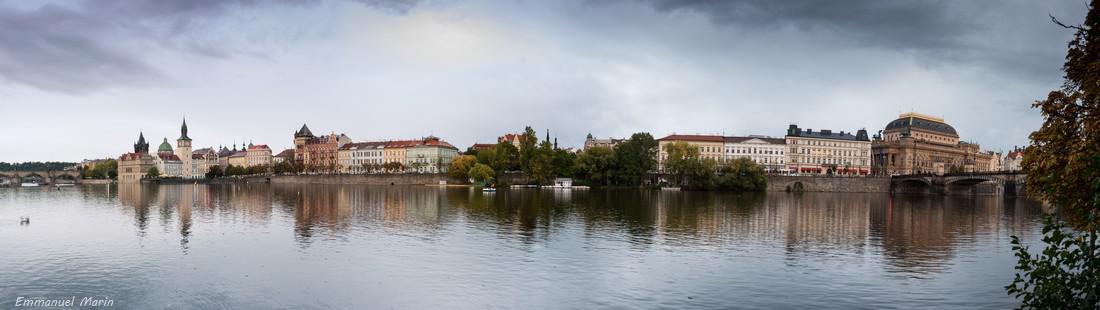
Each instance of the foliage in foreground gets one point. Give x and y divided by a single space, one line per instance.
1063 168
1065 275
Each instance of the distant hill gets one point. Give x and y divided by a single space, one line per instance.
36 166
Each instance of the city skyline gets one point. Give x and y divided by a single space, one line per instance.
469 71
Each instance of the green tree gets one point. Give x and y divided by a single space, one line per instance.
687 169
1062 165
481 173
540 166
528 143
506 157
595 164
214 172
741 175
460 165
152 173
635 158
562 163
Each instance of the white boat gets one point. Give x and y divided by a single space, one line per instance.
488 189
29 184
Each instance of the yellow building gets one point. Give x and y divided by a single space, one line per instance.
709 147
132 167
828 152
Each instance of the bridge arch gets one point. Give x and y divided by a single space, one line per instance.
913 186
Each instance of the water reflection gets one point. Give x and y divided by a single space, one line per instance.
610 248
915 233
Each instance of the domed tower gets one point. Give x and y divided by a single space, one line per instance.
165 147
183 150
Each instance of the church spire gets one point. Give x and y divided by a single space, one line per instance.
183 130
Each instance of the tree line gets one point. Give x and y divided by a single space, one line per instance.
632 162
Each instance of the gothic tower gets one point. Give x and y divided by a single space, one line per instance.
141 146
183 150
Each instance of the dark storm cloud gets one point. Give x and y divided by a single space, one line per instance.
986 32
97 44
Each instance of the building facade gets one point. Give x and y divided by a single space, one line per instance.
365 157
767 152
286 155
610 143
395 152
133 166
916 143
827 152
431 155
258 155
1013 160
710 147
183 152
318 154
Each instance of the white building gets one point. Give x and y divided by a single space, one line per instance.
825 151
365 157
169 165
767 152
1013 160
258 155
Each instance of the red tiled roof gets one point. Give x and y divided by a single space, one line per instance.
402 143
482 146
286 153
694 138
743 139
166 156
130 156
259 147
1015 155
363 145
239 154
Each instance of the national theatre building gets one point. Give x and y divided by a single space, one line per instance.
916 143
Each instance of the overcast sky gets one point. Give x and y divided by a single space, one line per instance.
80 79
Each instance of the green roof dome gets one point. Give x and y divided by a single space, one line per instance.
165 146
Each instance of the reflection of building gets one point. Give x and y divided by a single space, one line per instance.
917 143
767 152
1013 159
710 147
610 143
133 166
825 151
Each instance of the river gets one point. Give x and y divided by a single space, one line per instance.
416 247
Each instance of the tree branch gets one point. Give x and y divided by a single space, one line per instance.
1059 23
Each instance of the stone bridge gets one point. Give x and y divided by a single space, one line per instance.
14 178
1008 183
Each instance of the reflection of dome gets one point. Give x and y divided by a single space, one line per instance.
912 120
165 147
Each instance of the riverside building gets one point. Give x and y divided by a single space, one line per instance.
828 152
916 143
767 152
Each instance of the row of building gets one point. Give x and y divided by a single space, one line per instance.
332 153
183 162
338 153
911 144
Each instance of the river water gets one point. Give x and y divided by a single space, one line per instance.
415 247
